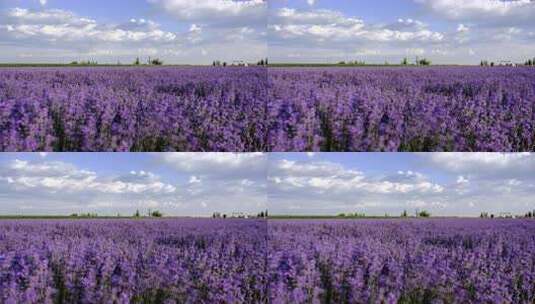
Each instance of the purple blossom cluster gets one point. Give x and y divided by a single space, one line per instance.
402 109
133 261
402 261
133 109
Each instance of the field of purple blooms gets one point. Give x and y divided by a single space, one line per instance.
402 109
133 261
133 109
408 261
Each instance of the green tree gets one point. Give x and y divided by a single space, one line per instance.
156 213
424 214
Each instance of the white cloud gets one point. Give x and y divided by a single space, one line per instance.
326 177
54 35
216 11
194 180
461 28
483 163
462 180
60 176
40 186
510 11
327 25
53 25
234 165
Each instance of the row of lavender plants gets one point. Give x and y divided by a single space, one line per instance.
381 261
253 261
256 109
133 261
407 109
133 109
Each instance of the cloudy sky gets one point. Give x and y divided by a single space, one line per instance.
463 184
445 31
199 184
177 31
176 184
186 31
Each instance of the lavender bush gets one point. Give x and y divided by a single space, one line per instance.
409 109
402 261
133 109
133 261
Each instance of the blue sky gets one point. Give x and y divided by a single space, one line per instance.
444 31
198 184
451 184
185 184
186 31
177 31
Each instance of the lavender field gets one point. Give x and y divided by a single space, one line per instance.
250 261
133 261
238 109
402 109
133 109
420 261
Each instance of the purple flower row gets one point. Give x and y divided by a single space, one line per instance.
253 261
256 109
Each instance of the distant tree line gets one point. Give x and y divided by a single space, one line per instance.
262 214
150 213
486 63
150 61
530 62
261 62
528 215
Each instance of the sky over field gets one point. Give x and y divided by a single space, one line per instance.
463 184
195 184
444 31
198 32
177 31
198 184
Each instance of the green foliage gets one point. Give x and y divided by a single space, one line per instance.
424 62
424 213
156 213
156 61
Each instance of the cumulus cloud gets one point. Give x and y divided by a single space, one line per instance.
485 165
60 176
456 32
486 11
320 187
327 25
224 165
226 12
493 183
326 34
44 186
233 28
60 25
